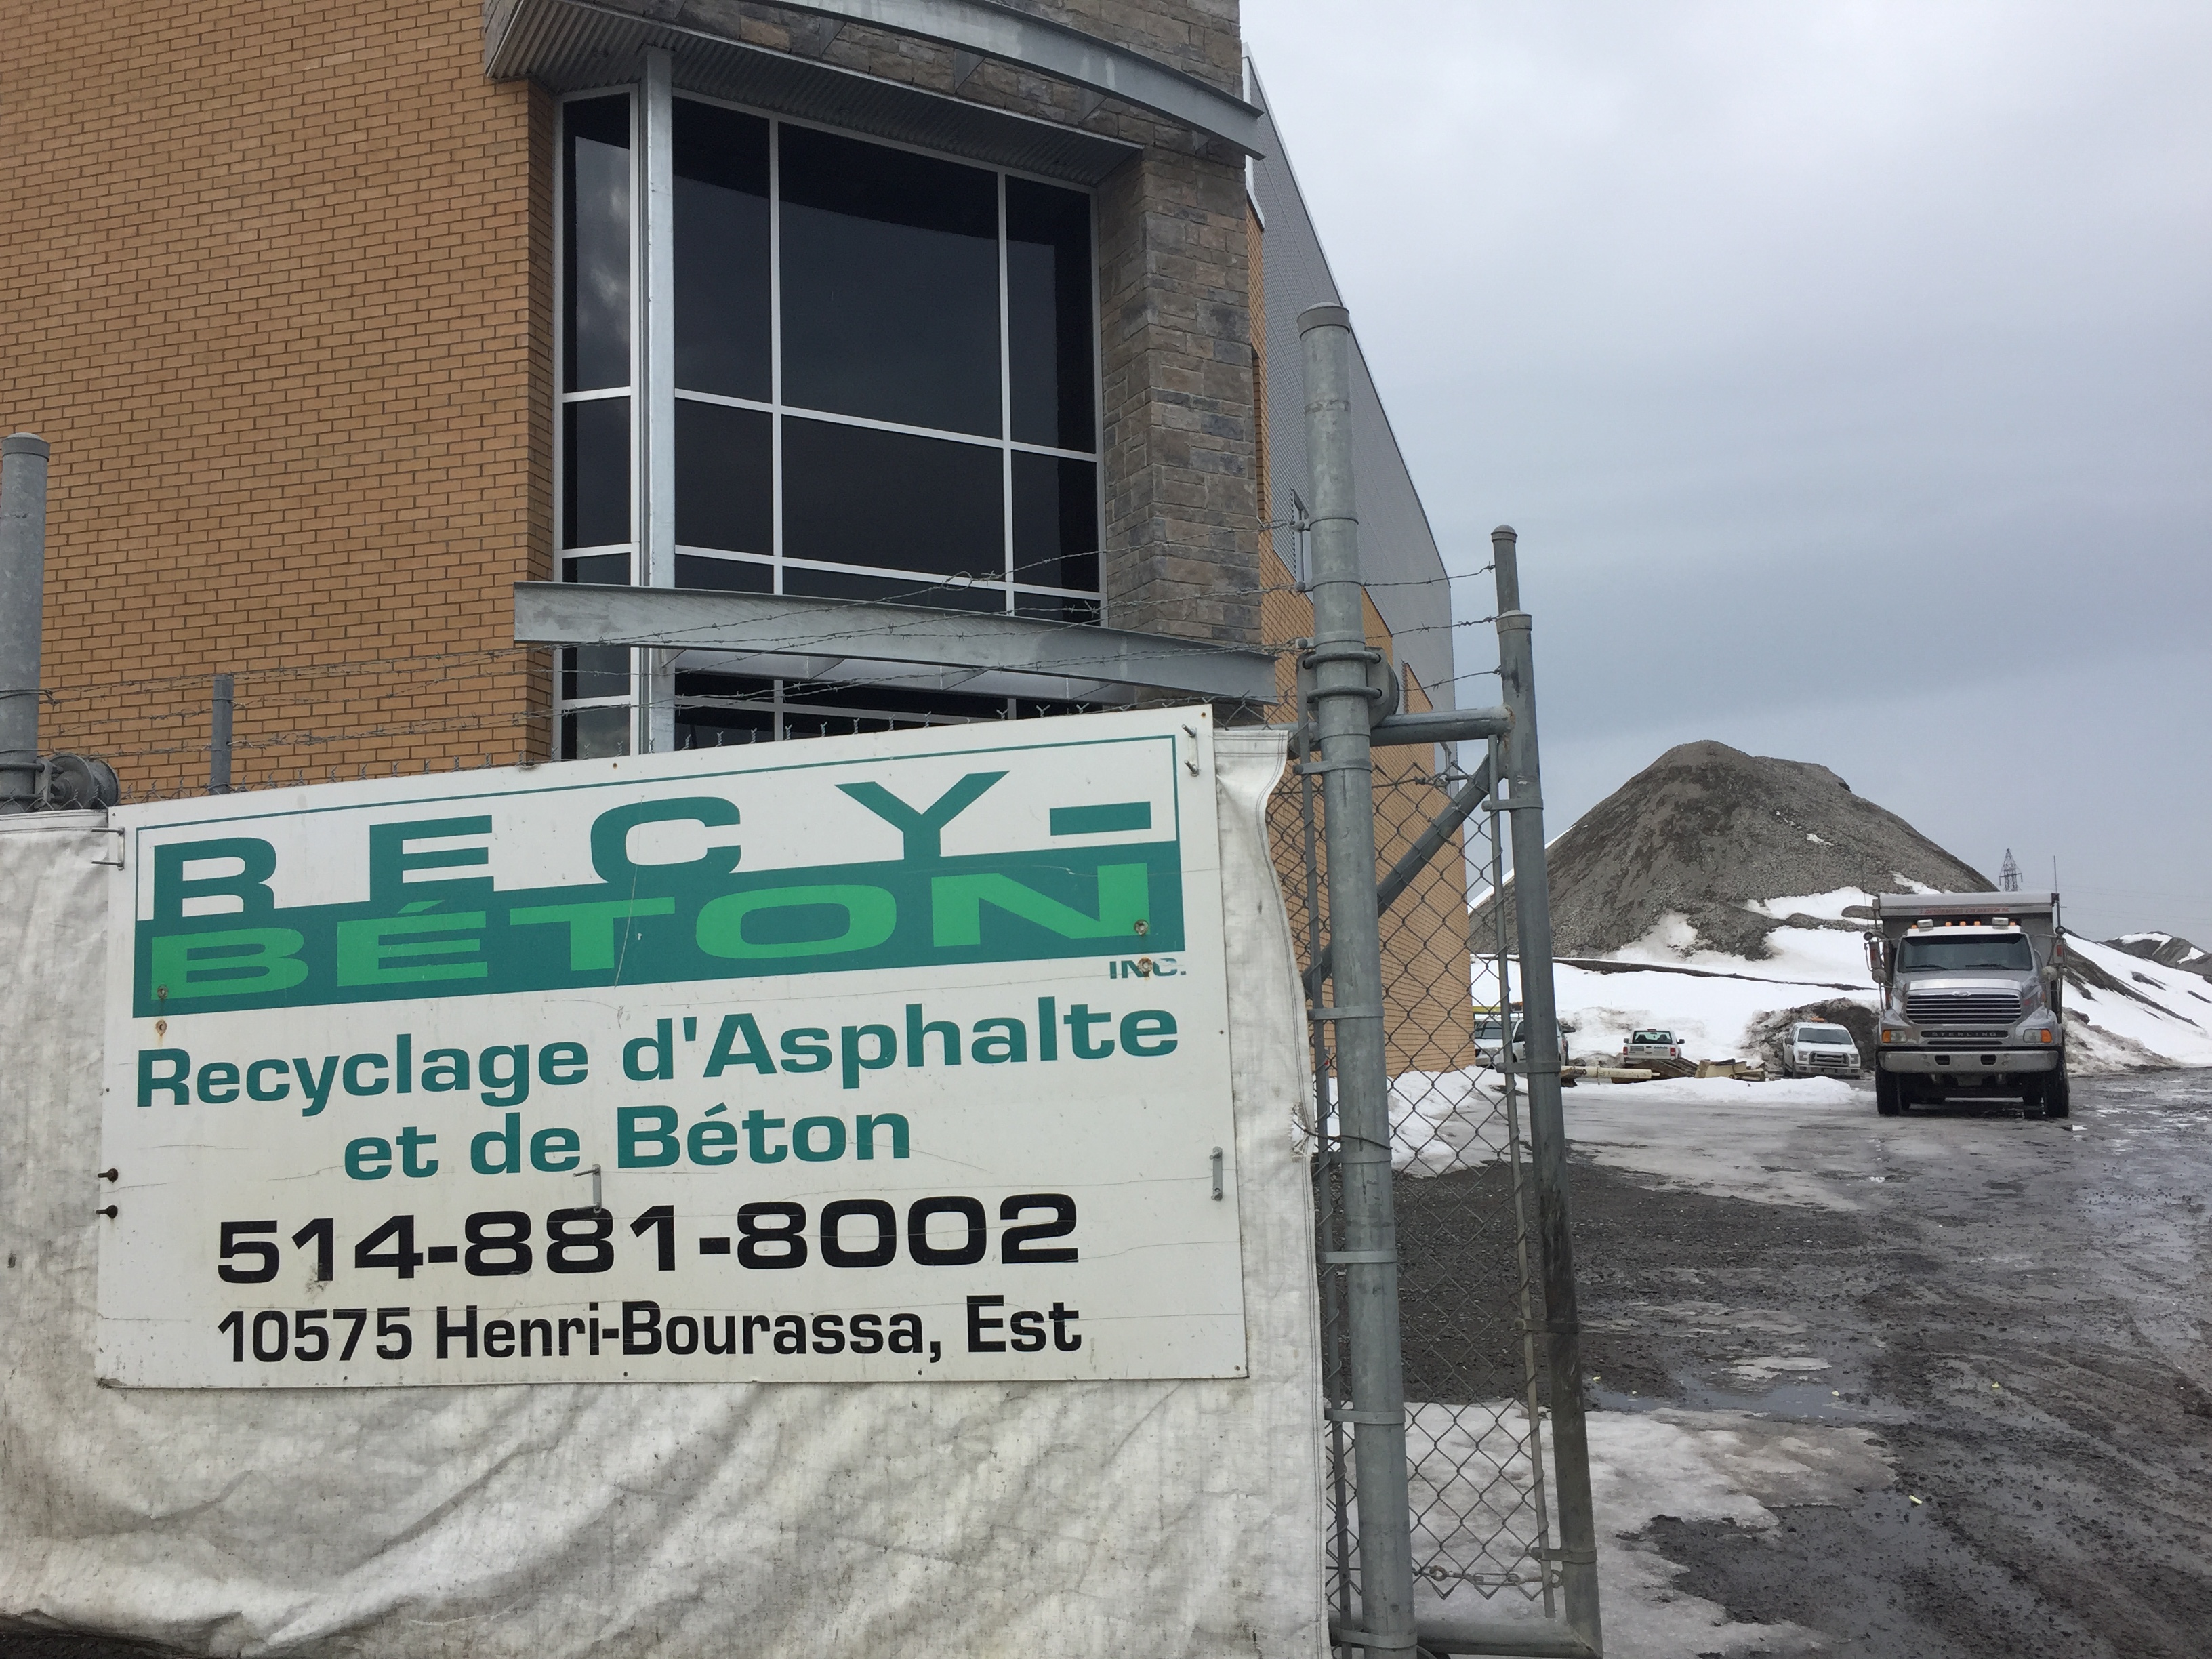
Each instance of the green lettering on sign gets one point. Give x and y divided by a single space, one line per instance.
364 957
957 905
241 961
869 917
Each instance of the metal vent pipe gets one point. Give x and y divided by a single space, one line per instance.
23 459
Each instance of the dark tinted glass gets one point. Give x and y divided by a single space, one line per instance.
724 685
808 583
1048 315
806 725
725 465
891 700
717 728
595 210
855 496
605 570
730 575
1025 709
1054 607
1055 522
890 284
594 670
594 733
595 483
721 251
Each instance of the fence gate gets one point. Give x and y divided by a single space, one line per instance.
1499 1540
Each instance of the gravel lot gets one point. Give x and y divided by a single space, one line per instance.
2010 1313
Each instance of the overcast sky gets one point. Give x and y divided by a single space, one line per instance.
1846 368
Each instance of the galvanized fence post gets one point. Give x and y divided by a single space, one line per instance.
1343 710
219 712
1532 906
24 458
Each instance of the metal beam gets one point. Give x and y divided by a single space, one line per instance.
1415 859
1515 1637
1440 726
767 624
980 26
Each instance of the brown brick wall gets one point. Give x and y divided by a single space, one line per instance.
270 274
281 285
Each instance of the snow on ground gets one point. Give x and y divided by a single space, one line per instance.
1713 1134
1694 1465
1713 1004
2173 1028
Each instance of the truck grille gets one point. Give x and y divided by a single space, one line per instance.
1839 1060
1983 1007
1963 1039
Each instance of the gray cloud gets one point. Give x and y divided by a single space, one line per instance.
1845 367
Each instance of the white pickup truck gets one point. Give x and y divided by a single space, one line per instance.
1490 1036
1815 1048
1652 1045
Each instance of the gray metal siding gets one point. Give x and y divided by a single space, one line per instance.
1397 550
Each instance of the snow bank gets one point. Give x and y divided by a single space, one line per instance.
2168 1022
1717 1135
1442 1121
1670 978
1694 1465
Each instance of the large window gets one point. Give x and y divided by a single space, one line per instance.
884 387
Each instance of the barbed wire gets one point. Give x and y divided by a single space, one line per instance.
302 698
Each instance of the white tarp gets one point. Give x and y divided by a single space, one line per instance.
1056 1518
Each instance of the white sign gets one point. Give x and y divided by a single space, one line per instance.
862 1059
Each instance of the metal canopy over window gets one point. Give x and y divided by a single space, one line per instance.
568 47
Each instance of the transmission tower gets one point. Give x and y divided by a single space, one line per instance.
2008 874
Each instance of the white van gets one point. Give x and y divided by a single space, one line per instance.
1814 1050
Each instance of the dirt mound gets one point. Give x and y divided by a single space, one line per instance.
1706 831
2167 950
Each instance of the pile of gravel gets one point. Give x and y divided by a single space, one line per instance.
2167 950
1706 830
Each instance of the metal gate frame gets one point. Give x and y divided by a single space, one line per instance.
1542 1546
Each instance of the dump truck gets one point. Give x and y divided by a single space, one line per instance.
1972 999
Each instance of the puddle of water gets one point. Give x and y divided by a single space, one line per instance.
1811 1402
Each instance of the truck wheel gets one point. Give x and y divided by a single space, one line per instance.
2057 1096
1888 1098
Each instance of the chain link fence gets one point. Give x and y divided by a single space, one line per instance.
1470 1297
1500 1536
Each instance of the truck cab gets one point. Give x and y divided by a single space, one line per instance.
1972 999
1652 1044
1490 1048
1816 1048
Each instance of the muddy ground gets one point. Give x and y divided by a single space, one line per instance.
2016 1307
